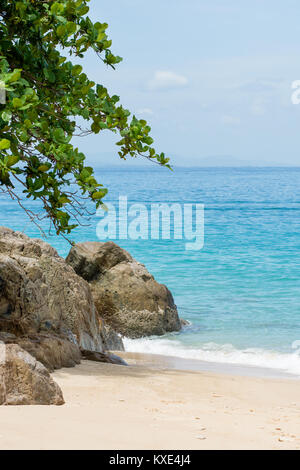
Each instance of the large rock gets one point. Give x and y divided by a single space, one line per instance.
41 293
125 294
24 380
51 350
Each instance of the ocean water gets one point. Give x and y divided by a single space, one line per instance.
241 292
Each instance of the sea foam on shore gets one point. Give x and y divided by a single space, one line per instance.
221 355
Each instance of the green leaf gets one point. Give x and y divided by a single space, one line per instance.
57 8
100 36
76 70
95 128
61 31
6 116
38 184
71 27
99 194
24 136
12 160
49 75
17 103
28 123
4 144
64 200
43 168
59 135
14 76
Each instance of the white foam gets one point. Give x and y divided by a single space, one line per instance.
211 352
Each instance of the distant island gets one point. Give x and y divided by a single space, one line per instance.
100 160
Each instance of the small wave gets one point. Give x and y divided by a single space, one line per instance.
212 352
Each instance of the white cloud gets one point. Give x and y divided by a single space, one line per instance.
230 120
166 80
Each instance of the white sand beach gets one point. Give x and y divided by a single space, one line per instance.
145 406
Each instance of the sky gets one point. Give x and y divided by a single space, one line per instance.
212 77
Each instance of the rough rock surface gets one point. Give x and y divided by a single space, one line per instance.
51 350
24 380
41 293
125 294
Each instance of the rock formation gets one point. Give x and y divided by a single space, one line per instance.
39 292
24 380
54 312
125 294
45 306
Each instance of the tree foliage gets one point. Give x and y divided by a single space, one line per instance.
46 95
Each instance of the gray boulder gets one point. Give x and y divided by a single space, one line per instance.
125 294
41 294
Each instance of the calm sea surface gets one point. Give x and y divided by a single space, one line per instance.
241 292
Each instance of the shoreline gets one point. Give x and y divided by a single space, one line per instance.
165 362
148 406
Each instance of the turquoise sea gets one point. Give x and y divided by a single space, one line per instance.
241 292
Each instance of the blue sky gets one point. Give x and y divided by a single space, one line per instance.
213 78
